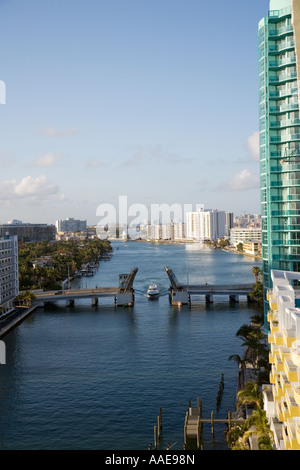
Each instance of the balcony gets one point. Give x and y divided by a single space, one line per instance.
289 107
279 411
291 370
278 390
272 316
284 123
274 33
285 257
273 375
285 183
285 228
279 47
282 77
274 64
284 352
278 338
295 353
274 326
282 198
294 409
293 437
289 336
293 213
297 426
278 363
273 305
286 243
285 384
297 395
271 339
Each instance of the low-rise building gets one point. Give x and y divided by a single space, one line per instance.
252 248
244 235
28 232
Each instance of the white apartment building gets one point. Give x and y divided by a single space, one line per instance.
179 231
228 223
205 225
282 395
244 235
70 225
9 273
172 231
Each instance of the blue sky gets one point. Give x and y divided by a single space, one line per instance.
155 100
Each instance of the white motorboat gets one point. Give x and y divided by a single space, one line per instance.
152 292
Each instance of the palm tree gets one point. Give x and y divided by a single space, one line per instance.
256 425
235 437
256 272
242 363
250 395
259 427
244 331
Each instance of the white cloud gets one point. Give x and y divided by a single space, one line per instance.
50 132
253 146
46 160
27 187
246 179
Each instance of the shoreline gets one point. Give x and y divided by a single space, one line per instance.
15 318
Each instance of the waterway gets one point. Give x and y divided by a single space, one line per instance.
88 377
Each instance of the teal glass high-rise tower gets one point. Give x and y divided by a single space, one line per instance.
279 130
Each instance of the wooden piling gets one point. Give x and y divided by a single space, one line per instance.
155 437
199 433
212 423
229 420
185 429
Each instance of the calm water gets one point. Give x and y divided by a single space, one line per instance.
95 377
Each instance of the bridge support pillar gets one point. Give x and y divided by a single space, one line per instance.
94 301
209 298
179 297
70 302
234 298
124 299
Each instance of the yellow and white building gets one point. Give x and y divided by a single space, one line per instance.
282 395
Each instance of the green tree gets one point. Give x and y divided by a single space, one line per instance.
250 395
240 247
256 272
255 426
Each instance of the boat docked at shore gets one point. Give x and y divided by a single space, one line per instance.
153 291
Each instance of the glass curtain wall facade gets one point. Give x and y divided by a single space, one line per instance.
279 130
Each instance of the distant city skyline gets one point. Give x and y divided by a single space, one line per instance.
156 100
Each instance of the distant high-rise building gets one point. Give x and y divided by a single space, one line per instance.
279 129
9 277
228 223
71 225
205 225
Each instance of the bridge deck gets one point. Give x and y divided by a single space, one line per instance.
78 293
239 289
